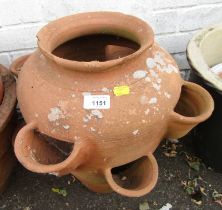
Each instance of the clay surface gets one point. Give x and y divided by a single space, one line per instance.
106 149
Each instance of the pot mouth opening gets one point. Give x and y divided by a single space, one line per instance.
94 41
135 175
186 106
96 47
46 150
194 102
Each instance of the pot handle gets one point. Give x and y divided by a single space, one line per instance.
42 157
17 64
136 178
194 106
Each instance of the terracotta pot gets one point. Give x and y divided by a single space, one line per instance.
204 52
7 124
106 149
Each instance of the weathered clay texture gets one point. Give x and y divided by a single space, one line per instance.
105 149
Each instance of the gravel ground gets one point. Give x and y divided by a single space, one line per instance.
30 191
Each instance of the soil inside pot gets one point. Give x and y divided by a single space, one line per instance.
96 47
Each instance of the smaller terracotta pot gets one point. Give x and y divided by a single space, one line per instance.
7 125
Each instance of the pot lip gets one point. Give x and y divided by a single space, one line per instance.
101 23
44 168
196 60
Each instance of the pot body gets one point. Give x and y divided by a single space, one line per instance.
107 145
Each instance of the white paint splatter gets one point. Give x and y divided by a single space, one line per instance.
167 94
73 95
144 100
156 108
135 132
147 79
76 137
158 59
159 80
168 206
97 113
66 127
150 63
169 69
55 114
92 129
147 111
156 86
106 90
86 93
173 68
153 100
54 173
89 116
154 74
139 74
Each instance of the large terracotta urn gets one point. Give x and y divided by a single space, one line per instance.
7 125
98 96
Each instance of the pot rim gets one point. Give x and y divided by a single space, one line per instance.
196 60
73 26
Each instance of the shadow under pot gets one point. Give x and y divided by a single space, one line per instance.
204 54
107 146
7 125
